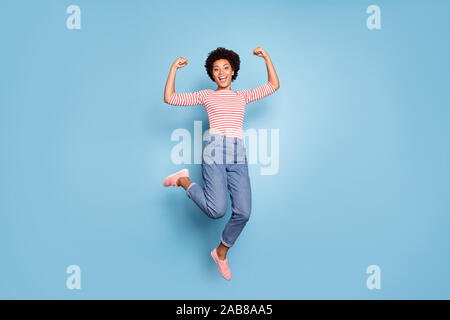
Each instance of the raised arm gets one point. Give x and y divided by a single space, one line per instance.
272 75
170 83
181 99
266 89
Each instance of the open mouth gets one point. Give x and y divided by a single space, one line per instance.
222 79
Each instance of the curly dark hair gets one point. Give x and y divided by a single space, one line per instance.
222 53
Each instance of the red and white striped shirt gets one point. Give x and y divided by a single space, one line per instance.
225 108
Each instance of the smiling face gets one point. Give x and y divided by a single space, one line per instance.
222 73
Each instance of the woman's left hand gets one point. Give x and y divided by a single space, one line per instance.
260 52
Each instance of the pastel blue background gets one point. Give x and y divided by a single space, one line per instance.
364 152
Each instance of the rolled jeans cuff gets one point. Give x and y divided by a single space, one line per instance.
187 190
224 243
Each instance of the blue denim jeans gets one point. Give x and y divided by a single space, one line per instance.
224 169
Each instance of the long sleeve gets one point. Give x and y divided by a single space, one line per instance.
258 92
187 99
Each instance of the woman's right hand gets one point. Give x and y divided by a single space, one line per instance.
179 63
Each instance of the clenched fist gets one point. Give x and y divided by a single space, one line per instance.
179 63
260 52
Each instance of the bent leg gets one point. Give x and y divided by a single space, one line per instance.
212 198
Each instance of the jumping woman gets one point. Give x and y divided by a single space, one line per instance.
224 163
